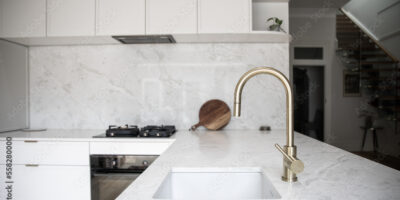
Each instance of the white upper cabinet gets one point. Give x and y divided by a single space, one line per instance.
23 18
60 22
224 16
171 16
71 17
120 17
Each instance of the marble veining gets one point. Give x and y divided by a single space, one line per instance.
90 87
330 173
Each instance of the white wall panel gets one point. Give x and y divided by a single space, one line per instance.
13 86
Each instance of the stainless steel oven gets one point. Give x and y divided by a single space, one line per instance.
112 174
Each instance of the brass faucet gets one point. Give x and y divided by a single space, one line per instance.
291 165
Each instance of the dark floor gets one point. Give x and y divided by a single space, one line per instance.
390 161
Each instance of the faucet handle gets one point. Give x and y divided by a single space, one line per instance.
294 164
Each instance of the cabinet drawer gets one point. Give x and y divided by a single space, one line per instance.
48 182
47 152
129 148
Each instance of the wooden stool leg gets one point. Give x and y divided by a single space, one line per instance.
363 141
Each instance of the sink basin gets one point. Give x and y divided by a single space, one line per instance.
216 183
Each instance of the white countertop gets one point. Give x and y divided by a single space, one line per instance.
74 135
330 173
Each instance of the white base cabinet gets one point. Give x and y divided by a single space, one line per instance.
46 182
48 153
45 170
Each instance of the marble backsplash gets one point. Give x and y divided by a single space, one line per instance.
91 87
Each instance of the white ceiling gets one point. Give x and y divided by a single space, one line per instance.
317 3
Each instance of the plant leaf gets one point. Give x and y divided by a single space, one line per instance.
273 27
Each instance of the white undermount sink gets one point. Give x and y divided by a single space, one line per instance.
216 183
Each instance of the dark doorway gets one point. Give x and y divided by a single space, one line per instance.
309 101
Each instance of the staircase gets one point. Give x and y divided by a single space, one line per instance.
379 71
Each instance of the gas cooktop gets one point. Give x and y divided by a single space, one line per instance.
129 131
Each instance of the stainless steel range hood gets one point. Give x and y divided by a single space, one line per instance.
145 39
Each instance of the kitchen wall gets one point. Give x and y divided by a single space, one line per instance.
91 87
13 86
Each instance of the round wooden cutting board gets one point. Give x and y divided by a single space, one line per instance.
214 115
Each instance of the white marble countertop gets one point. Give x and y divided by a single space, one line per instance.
330 173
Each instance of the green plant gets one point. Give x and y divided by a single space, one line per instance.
276 26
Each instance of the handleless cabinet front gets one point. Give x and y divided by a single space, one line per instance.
224 16
120 17
47 153
22 18
44 182
71 17
171 16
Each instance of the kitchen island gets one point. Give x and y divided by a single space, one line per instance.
330 173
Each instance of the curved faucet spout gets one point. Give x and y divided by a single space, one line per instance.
289 97
291 164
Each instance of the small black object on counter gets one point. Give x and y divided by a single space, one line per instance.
265 128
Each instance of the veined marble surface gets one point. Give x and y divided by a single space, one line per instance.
91 87
330 173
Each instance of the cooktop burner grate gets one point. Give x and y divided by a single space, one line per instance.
134 131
